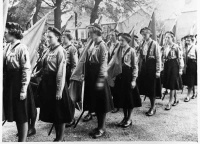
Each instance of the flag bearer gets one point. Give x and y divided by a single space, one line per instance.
149 76
113 44
125 90
173 68
97 97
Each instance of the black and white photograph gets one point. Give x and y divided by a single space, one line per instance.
99 71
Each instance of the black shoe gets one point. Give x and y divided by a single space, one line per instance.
31 132
55 140
151 112
121 123
127 124
194 96
70 124
87 118
98 134
168 107
175 103
187 99
148 111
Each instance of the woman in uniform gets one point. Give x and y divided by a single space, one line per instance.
190 73
17 70
112 45
97 96
173 69
56 105
72 54
125 90
149 76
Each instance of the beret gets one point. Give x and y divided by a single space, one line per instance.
96 26
170 33
189 36
126 36
146 30
54 30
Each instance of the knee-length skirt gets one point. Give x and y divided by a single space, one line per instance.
14 108
52 110
172 80
96 100
190 77
149 85
124 95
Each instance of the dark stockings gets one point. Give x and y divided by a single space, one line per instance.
22 131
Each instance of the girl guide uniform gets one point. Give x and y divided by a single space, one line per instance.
53 84
125 96
173 64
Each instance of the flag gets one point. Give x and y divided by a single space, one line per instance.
32 38
174 30
64 27
5 12
152 26
161 39
115 65
76 87
132 42
193 29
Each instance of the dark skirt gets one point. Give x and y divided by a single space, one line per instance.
15 109
190 77
149 85
124 95
172 80
96 100
52 110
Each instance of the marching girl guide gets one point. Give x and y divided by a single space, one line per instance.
56 104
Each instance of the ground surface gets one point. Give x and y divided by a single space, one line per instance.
178 124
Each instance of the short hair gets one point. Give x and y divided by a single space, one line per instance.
56 32
95 28
15 30
126 36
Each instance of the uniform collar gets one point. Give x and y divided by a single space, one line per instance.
16 42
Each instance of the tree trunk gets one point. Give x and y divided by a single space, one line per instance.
94 13
57 14
38 5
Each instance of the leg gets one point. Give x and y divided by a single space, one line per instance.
124 119
129 114
57 132
172 94
32 129
101 118
128 121
23 130
152 110
61 129
187 99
